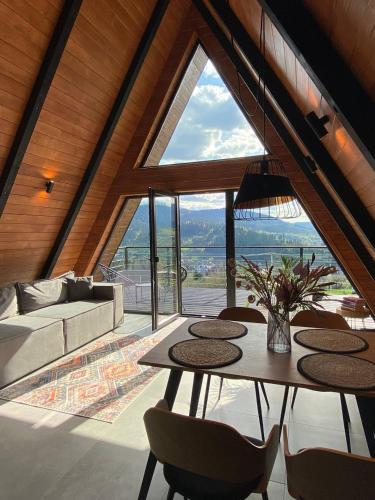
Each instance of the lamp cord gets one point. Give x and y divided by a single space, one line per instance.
261 74
263 52
250 114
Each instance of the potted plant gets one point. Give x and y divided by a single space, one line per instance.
282 291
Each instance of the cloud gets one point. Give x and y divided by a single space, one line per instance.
210 95
236 143
210 71
201 202
212 125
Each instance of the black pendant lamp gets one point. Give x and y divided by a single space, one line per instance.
265 191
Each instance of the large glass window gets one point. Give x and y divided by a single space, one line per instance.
203 253
212 127
203 122
205 288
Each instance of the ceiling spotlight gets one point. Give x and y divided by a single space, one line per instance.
49 186
317 124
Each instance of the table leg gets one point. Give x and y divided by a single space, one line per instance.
259 406
345 414
170 396
195 393
366 407
283 408
206 396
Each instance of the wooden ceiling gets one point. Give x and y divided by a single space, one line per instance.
97 56
304 92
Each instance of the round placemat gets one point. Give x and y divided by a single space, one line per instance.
218 329
338 370
205 353
335 341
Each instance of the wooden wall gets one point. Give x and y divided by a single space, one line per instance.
135 182
147 127
349 24
98 53
131 116
28 220
94 63
353 39
311 200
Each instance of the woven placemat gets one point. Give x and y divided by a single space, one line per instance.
218 329
205 353
338 370
336 341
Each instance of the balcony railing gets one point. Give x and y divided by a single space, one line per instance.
206 265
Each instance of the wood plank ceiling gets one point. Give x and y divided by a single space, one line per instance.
100 48
97 56
304 92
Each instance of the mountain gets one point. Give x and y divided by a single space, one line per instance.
207 228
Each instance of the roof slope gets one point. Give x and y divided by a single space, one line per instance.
98 54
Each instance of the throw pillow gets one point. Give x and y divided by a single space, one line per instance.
8 302
81 288
64 280
41 293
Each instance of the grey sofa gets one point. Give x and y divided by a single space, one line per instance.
30 339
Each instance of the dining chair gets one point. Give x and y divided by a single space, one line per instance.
324 319
204 460
320 319
248 315
325 474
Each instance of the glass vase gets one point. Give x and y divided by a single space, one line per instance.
278 334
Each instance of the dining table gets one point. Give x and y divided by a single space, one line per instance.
259 365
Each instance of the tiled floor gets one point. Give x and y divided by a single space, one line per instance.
53 456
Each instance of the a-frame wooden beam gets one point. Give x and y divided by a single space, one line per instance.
327 69
106 134
37 97
288 140
297 120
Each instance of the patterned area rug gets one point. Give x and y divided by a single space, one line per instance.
97 381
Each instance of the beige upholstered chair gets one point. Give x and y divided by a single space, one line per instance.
207 459
325 319
324 474
319 319
247 315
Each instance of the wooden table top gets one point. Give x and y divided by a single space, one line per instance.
257 362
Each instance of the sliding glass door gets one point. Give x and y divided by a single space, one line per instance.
164 256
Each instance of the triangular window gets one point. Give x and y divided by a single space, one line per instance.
204 122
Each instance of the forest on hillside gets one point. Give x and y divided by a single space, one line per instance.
207 228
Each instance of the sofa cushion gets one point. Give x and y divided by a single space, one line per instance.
42 293
8 302
80 288
28 343
67 310
112 291
21 325
83 320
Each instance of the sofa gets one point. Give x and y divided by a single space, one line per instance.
41 321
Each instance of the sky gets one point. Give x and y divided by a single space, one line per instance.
212 126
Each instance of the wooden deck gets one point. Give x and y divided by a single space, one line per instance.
210 301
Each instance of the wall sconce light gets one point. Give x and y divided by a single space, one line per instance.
317 124
49 186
